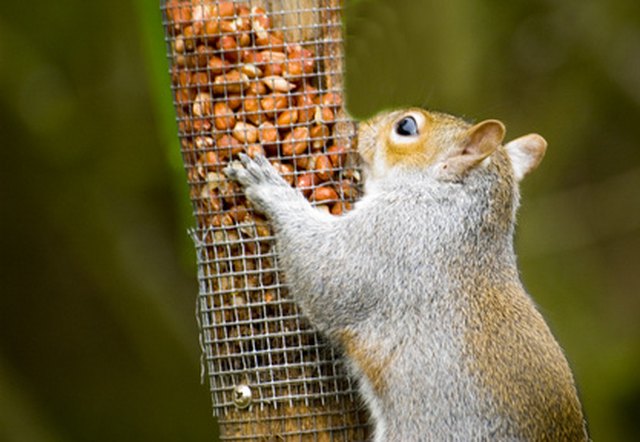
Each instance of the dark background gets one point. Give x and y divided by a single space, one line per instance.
98 339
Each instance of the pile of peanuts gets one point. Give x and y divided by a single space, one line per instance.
239 87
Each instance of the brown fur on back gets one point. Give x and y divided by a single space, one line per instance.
514 359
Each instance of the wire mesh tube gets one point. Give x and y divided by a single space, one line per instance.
262 77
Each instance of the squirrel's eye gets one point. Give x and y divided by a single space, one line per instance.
407 127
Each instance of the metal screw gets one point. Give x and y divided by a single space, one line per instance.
242 396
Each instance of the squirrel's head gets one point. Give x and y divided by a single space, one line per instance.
445 146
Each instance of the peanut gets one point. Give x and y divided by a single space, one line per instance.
245 132
340 207
203 142
199 79
319 135
244 39
337 155
217 65
256 88
285 170
228 146
251 70
178 12
202 105
331 99
224 117
251 109
306 182
243 23
303 162
269 40
278 84
234 101
232 82
228 47
226 9
292 69
267 133
323 115
211 28
324 193
296 141
189 37
178 44
208 162
201 125
269 56
287 118
201 56
302 56
260 22
273 103
306 103
254 150
323 168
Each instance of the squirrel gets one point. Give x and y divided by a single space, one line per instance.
419 285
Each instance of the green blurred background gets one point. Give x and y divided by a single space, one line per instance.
98 340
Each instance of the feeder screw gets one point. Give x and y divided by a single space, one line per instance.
242 396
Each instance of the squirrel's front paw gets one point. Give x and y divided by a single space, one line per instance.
254 172
259 179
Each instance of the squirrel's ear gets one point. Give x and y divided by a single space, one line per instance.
526 153
484 138
479 142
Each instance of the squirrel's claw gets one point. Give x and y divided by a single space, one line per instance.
236 172
253 172
263 185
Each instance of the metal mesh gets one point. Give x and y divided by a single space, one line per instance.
262 77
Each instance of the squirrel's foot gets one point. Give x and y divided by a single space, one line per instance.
263 184
254 172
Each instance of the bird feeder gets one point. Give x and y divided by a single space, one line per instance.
262 78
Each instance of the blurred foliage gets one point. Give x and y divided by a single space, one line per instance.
99 340
97 284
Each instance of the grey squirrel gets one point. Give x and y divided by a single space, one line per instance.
419 284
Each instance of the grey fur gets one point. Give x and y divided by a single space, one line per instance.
399 274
